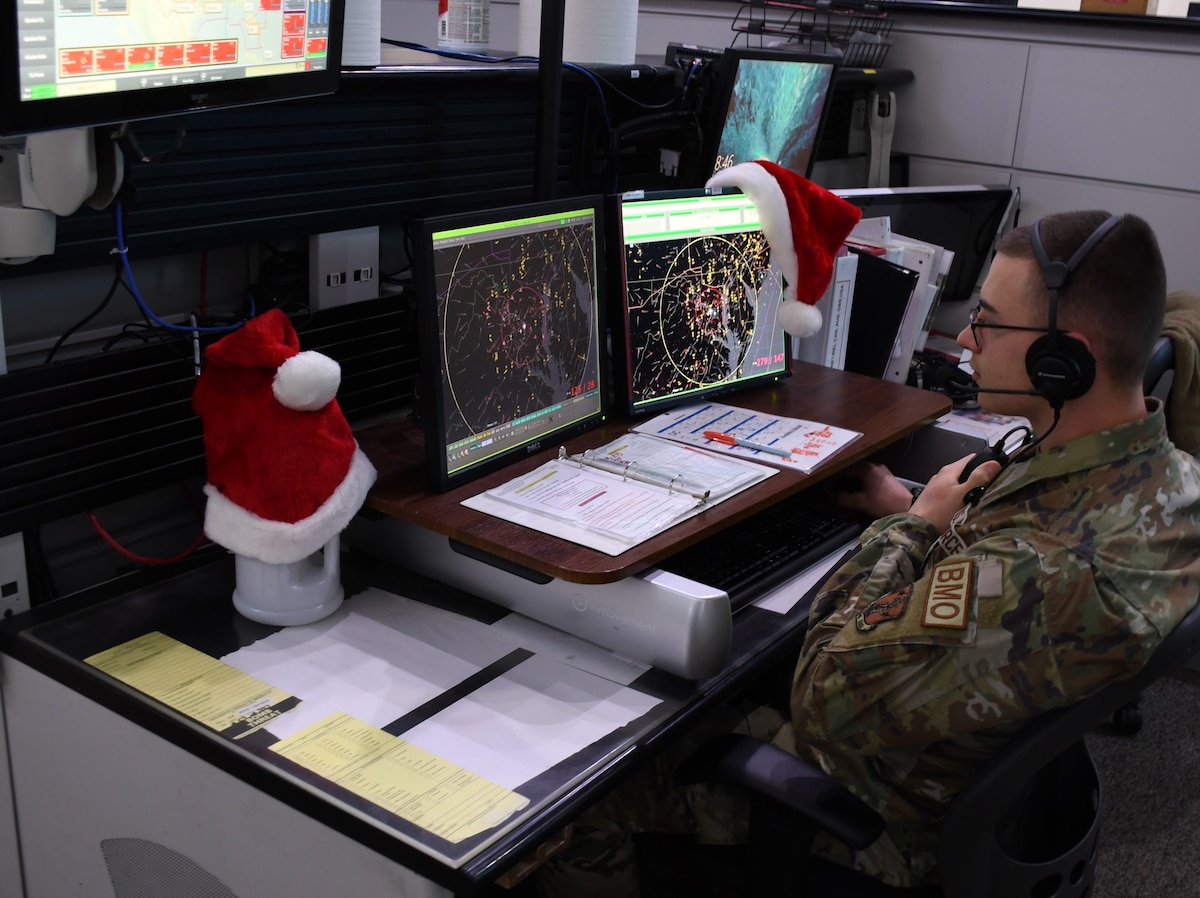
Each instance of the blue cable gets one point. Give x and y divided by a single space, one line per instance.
137 296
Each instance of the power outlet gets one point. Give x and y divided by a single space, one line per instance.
343 267
14 584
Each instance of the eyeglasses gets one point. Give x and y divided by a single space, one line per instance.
975 323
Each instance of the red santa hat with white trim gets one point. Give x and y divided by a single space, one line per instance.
805 226
285 473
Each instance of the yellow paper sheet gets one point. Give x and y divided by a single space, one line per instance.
205 689
436 795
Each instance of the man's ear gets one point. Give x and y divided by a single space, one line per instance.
1082 338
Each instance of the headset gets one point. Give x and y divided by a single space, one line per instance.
1059 366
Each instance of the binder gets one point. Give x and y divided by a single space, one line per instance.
828 346
882 292
618 495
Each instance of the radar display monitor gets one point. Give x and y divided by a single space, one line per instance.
699 299
768 104
967 219
510 322
83 63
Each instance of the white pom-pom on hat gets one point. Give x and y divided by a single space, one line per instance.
307 381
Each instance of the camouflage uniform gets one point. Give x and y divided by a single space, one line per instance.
927 651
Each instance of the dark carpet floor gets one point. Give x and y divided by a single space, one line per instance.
1150 832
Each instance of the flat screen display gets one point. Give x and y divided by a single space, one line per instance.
510 321
699 299
80 63
768 105
966 219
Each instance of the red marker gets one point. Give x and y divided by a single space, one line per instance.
730 440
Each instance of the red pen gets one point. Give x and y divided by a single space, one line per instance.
730 440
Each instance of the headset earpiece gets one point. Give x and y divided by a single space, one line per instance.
1061 367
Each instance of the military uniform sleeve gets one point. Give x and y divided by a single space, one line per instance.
901 654
893 550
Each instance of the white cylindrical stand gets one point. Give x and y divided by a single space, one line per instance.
287 594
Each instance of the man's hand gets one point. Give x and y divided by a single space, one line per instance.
879 492
944 495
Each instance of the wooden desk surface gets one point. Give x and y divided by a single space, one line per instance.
883 412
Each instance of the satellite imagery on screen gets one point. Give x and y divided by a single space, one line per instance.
775 112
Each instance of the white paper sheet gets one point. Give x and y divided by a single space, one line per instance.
784 597
523 723
809 442
377 658
381 655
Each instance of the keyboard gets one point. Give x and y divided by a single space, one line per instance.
751 558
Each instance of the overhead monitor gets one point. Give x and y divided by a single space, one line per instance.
82 63
510 322
965 218
698 299
768 104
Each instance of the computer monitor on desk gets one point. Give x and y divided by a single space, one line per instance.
768 104
696 294
965 218
510 324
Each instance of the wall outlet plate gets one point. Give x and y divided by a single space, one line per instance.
343 267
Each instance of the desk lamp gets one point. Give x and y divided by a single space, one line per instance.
285 474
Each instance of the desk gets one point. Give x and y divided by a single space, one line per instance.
96 762
883 412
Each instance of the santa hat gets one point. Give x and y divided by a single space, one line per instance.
285 474
805 226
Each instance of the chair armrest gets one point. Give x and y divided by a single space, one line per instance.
769 771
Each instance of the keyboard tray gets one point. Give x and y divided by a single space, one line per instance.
750 558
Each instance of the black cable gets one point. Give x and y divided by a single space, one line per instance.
132 329
162 334
112 290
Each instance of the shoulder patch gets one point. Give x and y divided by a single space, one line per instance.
949 597
884 609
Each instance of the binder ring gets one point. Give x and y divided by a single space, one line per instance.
625 471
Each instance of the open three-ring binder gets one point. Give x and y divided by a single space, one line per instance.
616 496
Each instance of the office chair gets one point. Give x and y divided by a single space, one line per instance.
1026 825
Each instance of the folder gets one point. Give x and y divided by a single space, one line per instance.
882 292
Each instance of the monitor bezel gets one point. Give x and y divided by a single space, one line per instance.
1008 202
622 375
727 68
95 110
431 401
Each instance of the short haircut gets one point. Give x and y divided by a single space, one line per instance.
1116 296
